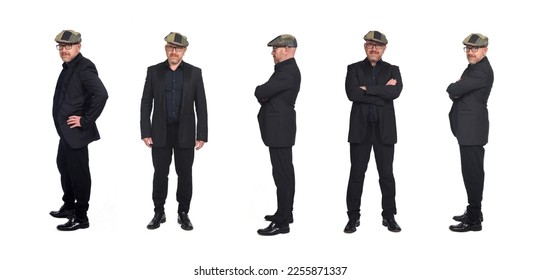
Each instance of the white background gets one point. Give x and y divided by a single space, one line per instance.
233 185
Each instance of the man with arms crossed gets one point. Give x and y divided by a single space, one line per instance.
371 86
277 122
469 124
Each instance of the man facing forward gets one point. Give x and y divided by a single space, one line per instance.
371 86
172 89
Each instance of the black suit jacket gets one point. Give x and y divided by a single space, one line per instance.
379 95
469 114
82 94
193 92
277 117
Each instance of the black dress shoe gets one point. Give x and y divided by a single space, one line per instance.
157 220
391 224
273 229
73 224
352 225
184 221
466 225
63 212
270 218
462 217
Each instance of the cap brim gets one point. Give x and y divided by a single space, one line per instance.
473 45
176 44
379 42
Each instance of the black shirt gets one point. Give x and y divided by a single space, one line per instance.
173 93
58 89
372 109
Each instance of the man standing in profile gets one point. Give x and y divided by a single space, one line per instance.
372 85
172 88
277 122
469 124
79 99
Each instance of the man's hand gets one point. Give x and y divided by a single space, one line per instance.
391 82
74 121
199 144
148 141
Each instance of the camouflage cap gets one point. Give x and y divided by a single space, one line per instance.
284 40
376 36
68 37
176 38
476 40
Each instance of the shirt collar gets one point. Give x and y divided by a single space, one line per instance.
377 63
75 59
166 65
285 62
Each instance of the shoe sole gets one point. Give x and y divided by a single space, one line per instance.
186 228
72 229
275 233
385 224
472 229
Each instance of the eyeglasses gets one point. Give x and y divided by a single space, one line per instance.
175 48
472 49
64 46
378 47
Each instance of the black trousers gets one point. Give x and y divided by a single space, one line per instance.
473 173
74 177
161 159
284 178
360 156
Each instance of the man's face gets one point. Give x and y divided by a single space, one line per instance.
279 54
68 51
174 53
374 51
475 54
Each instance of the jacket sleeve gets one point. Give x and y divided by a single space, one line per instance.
201 109
354 91
146 106
388 92
96 92
278 83
472 81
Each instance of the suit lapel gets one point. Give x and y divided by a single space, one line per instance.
187 76
360 73
160 84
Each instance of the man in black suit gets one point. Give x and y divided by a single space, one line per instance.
372 85
277 122
173 87
469 124
78 101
